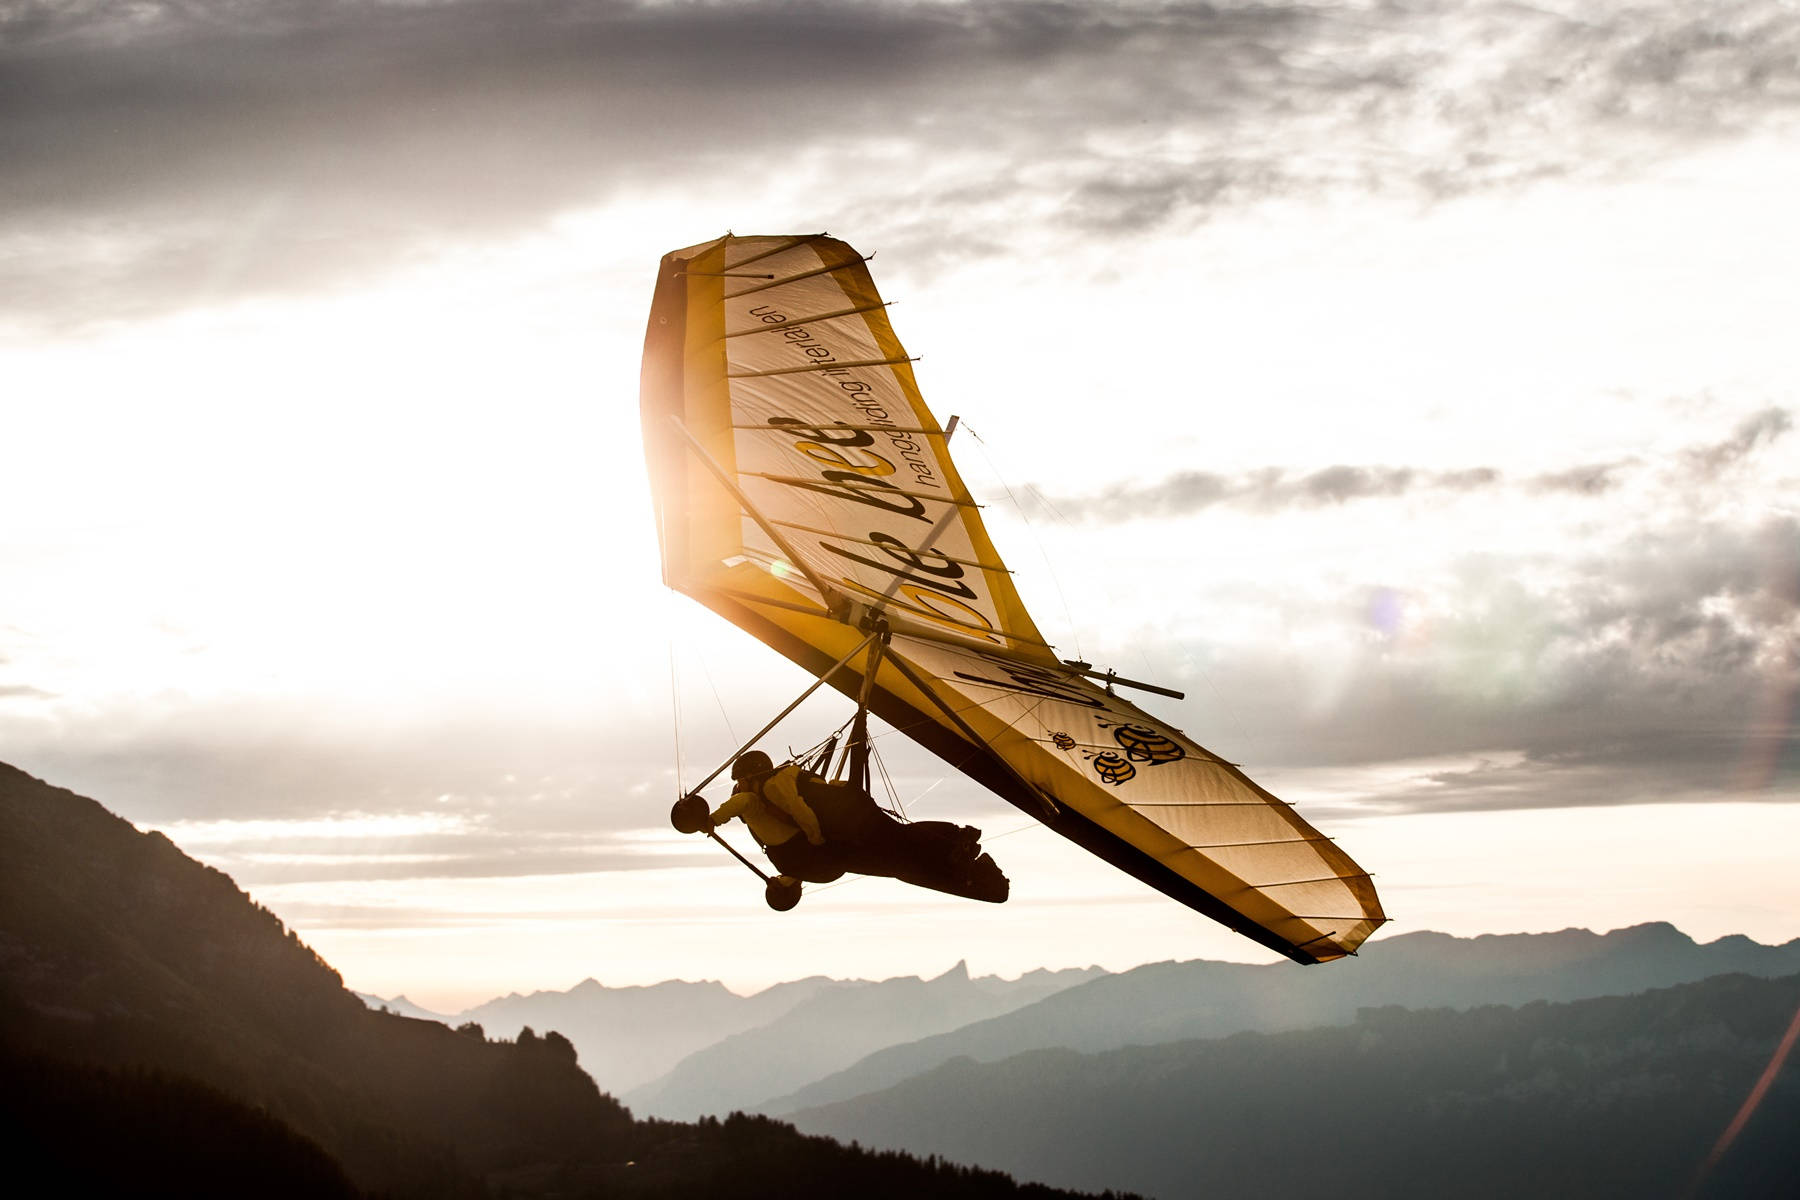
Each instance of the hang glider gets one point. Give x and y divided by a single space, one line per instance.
805 493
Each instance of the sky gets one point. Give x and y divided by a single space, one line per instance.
1410 383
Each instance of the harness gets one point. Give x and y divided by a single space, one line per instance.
771 810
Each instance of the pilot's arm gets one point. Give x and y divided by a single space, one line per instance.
731 808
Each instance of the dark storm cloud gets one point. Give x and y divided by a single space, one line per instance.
163 154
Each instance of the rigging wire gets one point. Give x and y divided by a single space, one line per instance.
675 714
971 706
720 701
674 676
1068 615
887 783
955 766
1027 827
1225 707
1143 655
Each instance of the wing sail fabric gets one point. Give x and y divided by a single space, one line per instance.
800 483
775 355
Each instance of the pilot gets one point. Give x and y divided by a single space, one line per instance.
781 821
815 831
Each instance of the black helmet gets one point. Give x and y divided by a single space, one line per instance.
750 764
690 815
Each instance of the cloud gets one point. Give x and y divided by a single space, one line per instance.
1587 479
473 853
1670 654
176 760
164 155
161 155
1275 489
1661 767
1753 433
303 910
1267 490
276 793
1664 669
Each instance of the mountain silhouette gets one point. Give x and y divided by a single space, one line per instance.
1623 1097
831 1029
165 1135
1168 1002
120 951
401 1006
163 1035
628 1036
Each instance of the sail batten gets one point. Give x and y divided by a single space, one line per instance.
822 365
812 320
804 275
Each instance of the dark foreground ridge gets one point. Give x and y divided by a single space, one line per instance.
161 1034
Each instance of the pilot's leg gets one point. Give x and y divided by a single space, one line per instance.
938 849
942 842
803 860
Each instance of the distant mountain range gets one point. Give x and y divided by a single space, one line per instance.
400 1006
162 1035
818 1041
628 1036
1567 1063
680 1050
1168 1002
832 1029
1625 1097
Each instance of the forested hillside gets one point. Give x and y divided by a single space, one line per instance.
161 1034
117 950
1617 1097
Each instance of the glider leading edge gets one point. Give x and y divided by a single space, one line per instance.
805 493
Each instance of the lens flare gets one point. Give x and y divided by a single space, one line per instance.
1756 1095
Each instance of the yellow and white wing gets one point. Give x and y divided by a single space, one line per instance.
801 485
